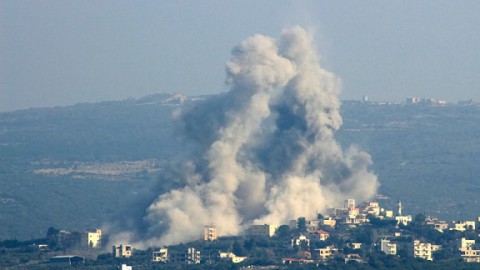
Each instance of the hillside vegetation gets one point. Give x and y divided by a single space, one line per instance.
424 155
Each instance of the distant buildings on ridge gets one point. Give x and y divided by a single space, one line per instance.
390 232
411 101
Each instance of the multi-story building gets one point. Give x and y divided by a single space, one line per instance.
387 247
404 220
63 238
189 256
371 208
324 253
422 250
412 100
464 243
318 235
328 222
122 251
463 225
353 211
362 218
92 239
313 224
265 230
466 248
210 233
160 255
349 203
470 255
351 217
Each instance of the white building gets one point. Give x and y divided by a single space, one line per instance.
468 253
230 256
387 247
324 253
265 230
371 208
465 243
422 250
353 212
328 222
412 100
463 225
404 220
126 267
349 204
91 239
300 240
210 233
160 255
440 226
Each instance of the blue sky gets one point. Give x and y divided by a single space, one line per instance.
63 52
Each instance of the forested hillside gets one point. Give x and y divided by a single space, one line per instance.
62 166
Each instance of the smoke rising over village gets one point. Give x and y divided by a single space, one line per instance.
265 151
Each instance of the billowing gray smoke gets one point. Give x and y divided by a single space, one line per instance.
266 151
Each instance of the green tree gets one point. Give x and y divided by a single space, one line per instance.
52 231
419 220
283 231
250 245
302 224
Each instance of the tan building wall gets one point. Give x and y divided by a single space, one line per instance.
262 230
120 251
210 233
91 239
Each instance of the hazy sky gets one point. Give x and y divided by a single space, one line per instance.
65 52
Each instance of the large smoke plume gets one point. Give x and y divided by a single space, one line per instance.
265 151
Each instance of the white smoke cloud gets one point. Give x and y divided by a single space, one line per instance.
268 152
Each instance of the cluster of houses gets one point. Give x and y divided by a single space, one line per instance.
189 255
424 101
337 222
192 256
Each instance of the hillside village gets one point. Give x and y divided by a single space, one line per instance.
106 149
361 235
355 235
